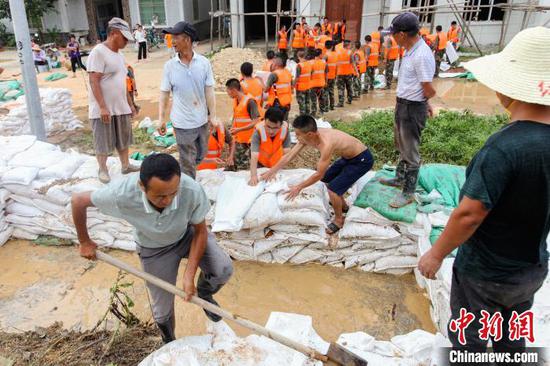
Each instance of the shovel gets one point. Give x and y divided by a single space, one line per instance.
336 353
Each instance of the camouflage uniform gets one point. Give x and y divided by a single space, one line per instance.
389 72
344 82
303 98
370 76
439 55
329 93
242 156
357 85
318 94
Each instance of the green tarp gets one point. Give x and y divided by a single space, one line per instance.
446 179
55 76
377 196
167 140
7 89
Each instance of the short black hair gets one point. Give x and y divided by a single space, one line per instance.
453 22
305 123
344 20
368 38
233 84
270 54
280 59
318 25
275 114
318 52
72 36
380 28
325 18
357 44
438 28
310 55
329 44
247 68
161 166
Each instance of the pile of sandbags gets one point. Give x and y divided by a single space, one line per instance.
37 180
56 108
222 347
259 223
5 228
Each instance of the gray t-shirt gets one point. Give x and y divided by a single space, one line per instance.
125 200
255 143
417 67
113 82
187 83
252 108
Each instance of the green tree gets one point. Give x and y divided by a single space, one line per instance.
35 9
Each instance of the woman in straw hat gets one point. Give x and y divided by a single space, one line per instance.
501 224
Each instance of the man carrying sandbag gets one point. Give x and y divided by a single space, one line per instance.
167 210
355 161
502 222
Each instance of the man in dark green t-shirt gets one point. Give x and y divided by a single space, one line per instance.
502 222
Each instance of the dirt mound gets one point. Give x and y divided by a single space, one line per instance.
57 346
226 64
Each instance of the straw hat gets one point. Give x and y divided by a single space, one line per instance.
522 70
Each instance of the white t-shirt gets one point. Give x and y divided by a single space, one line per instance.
139 36
113 82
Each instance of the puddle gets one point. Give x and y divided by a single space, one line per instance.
41 285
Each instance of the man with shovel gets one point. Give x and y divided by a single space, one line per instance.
167 210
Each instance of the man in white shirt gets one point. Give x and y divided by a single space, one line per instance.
110 109
190 79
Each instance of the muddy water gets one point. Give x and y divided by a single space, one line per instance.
41 285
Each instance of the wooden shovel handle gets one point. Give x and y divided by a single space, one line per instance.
309 352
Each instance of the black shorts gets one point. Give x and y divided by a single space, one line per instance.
341 175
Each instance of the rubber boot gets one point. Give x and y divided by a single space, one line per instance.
206 291
399 178
167 330
406 197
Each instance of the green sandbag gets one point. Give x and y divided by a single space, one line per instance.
378 196
435 234
55 76
167 140
446 179
140 156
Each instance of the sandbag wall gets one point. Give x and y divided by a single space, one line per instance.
258 223
36 183
56 108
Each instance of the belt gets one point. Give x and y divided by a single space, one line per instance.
413 102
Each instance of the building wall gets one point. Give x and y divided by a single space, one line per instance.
78 20
58 18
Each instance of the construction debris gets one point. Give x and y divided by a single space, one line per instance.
226 64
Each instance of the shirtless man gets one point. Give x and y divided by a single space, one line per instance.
355 161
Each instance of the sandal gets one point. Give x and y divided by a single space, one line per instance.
333 228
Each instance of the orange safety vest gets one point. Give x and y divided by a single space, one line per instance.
281 89
318 73
215 149
253 87
298 40
442 44
325 28
168 40
303 82
267 65
452 35
393 52
241 118
283 41
376 38
424 31
362 64
343 31
332 62
271 149
130 84
374 54
344 63
320 44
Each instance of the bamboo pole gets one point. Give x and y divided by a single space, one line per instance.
277 23
265 27
382 11
211 26
460 19
292 11
504 29
219 24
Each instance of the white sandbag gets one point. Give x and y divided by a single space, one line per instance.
244 248
438 219
129 245
416 344
22 190
63 169
264 212
407 250
364 345
48 207
39 155
353 230
5 235
452 55
19 209
358 186
22 199
33 229
211 181
12 145
306 255
265 258
235 198
282 255
366 215
263 246
24 235
311 198
298 232
20 175
303 217
392 262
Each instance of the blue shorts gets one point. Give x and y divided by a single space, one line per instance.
341 175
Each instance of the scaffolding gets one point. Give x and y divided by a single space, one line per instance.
427 11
